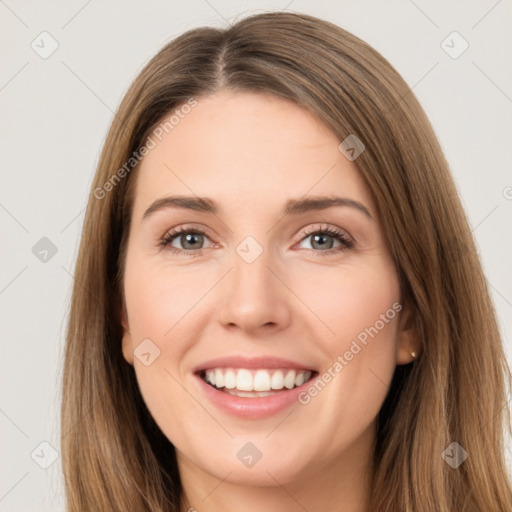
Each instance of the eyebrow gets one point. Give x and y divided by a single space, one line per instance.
292 206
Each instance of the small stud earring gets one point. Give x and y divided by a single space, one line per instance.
413 354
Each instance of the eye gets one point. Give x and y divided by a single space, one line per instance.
323 240
190 239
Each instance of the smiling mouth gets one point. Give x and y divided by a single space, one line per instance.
255 383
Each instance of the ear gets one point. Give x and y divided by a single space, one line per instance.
127 345
408 339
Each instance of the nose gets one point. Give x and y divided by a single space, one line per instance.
254 297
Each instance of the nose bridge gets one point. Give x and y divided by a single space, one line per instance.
252 279
253 296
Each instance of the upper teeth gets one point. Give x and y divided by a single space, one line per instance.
256 380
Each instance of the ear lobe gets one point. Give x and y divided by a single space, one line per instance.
408 340
127 345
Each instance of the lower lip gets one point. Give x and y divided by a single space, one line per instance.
253 408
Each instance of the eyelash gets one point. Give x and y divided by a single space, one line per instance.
347 243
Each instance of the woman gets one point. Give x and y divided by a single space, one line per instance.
253 372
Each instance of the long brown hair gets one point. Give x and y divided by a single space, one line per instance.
115 458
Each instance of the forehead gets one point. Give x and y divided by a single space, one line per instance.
247 149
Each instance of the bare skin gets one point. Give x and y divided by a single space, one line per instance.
305 298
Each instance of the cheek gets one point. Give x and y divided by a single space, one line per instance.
344 303
159 299
161 310
359 309
166 306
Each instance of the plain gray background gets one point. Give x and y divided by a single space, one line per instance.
55 115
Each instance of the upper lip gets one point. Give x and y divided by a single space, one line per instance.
238 361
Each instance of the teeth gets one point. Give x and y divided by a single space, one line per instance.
257 381
261 381
299 380
219 378
230 379
277 381
210 376
289 380
243 380
250 394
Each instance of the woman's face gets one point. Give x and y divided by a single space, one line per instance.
263 287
